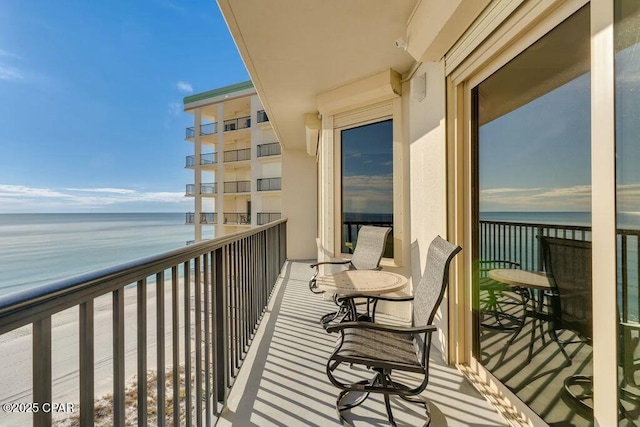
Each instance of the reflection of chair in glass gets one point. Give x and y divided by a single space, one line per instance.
495 315
568 266
366 256
385 348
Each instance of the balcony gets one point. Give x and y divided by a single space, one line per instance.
237 124
205 129
271 149
237 155
237 218
256 352
267 217
206 189
237 187
208 218
262 116
269 184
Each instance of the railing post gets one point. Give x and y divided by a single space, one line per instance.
86 364
142 352
118 358
220 340
160 335
536 241
42 370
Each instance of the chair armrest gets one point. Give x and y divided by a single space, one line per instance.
329 262
382 327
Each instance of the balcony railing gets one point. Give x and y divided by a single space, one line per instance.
205 129
237 155
237 124
190 218
205 189
518 242
205 159
262 116
208 299
237 187
272 149
208 218
237 218
269 184
267 217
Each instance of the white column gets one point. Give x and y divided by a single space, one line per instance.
197 175
220 229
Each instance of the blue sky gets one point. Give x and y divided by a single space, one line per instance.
91 111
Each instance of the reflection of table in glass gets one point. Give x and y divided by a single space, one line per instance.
358 282
531 281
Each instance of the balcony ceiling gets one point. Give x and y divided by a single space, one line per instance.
295 49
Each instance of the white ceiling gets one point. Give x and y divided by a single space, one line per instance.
296 49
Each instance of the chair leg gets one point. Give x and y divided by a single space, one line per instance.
387 403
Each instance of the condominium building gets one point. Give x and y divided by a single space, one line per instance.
236 162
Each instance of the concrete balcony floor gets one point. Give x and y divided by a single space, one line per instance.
283 381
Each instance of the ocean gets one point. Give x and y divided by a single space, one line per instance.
41 248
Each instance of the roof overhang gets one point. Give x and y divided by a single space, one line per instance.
295 50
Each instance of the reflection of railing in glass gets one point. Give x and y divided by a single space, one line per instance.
518 242
269 184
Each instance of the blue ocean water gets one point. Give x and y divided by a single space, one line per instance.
41 248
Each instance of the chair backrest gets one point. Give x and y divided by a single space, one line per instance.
369 247
568 265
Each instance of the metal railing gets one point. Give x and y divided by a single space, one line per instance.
271 149
205 159
518 242
205 129
208 300
237 187
236 218
190 218
208 189
205 189
269 184
208 218
267 217
237 124
237 155
262 116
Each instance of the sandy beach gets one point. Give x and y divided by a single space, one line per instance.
16 352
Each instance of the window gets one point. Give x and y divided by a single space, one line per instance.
366 181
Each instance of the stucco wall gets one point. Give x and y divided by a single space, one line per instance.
299 203
427 147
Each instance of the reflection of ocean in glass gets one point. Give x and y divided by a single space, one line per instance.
625 221
41 248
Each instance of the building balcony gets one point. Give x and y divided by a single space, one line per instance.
271 149
269 184
206 189
232 187
237 155
237 124
206 159
267 217
237 218
262 116
205 129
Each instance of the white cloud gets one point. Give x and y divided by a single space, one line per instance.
9 74
20 198
175 108
184 87
7 54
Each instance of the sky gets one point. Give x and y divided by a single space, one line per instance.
91 118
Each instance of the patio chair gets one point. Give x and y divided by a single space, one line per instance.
385 348
366 256
492 297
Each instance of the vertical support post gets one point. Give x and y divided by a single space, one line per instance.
86 364
160 357
187 342
118 358
142 351
220 325
207 340
198 340
175 336
42 369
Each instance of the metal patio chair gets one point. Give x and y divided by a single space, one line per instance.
385 348
366 256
